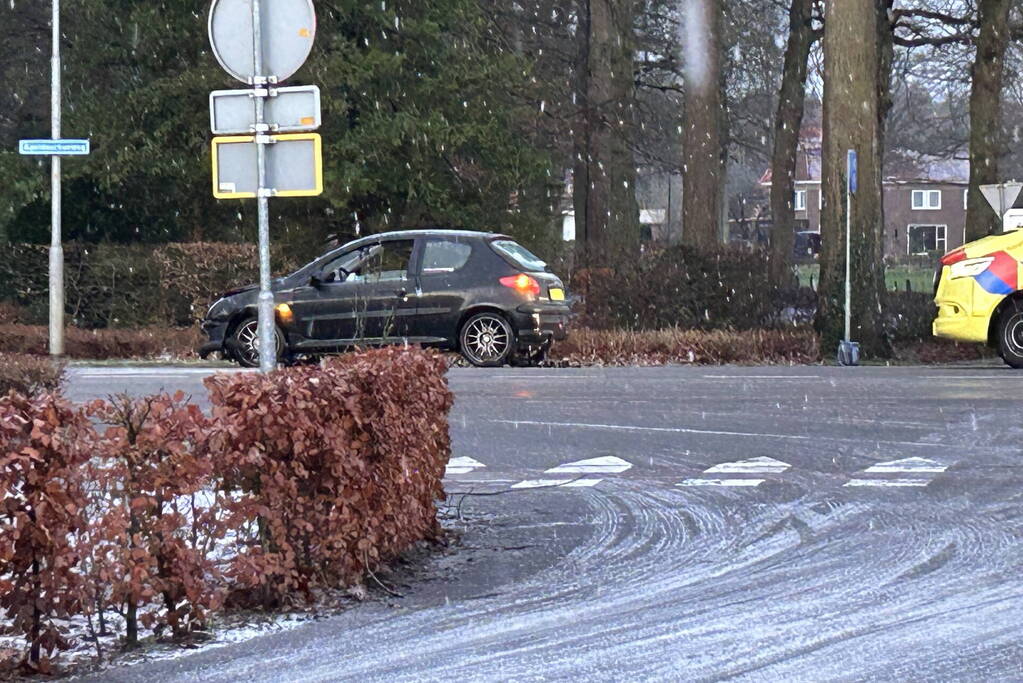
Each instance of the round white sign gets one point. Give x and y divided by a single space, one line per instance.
288 28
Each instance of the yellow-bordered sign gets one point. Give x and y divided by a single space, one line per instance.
294 166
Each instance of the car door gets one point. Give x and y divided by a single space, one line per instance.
443 280
327 309
386 293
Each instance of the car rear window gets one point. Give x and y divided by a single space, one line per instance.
519 255
445 256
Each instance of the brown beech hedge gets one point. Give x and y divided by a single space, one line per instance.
300 480
331 468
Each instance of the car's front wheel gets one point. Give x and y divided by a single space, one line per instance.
244 345
1010 337
486 340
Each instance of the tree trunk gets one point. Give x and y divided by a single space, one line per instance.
703 167
606 212
986 139
857 63
787 125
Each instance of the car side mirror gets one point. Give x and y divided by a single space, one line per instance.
316 279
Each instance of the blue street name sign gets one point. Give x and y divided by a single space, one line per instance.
853 171
68 148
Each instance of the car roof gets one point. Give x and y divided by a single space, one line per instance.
412 234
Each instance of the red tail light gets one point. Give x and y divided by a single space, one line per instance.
954 257
522 284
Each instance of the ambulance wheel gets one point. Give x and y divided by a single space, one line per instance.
1010 337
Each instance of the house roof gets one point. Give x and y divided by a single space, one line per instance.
901 166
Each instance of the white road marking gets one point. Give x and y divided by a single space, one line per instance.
762 377
561 483
908 465
974 377
723 482
608 464
761 465
462 465
715 432
889 482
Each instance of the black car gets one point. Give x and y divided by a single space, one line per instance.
480 293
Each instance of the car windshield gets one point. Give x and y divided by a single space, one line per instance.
519 255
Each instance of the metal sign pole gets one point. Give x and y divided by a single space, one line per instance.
848 262
267 345
56 248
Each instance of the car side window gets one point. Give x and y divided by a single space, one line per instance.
445 256
347 262
387 263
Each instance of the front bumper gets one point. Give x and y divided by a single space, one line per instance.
541 323
216 332
964 310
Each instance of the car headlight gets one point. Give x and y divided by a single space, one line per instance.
970 267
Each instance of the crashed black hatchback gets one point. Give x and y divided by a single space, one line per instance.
480 293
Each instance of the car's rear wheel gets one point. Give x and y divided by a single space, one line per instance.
486 340
1010 337
244 346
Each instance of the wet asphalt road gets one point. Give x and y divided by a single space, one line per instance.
760 524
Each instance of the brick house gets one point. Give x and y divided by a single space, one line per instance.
924 198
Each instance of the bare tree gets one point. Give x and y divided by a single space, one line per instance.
857 66
604 174
788 123
703 169
987 142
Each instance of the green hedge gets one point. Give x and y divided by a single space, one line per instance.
128 286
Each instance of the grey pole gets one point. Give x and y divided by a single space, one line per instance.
848 260
56 249
267 346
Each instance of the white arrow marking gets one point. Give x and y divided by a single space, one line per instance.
604 465
910 465
723 482
563 483
463 465
762 465
897 483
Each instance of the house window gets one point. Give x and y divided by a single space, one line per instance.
926 200
800 203
924 239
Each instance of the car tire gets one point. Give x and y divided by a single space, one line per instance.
243 345
1010 337
486 340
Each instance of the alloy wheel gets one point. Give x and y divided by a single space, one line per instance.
486 339
247 337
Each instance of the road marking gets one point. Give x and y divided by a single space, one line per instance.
973 377
908 465
762 377
462 465
723 482
889 482
604 465
560 483
754 435
761 465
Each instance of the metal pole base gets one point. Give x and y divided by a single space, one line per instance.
56 301
267 338
848 353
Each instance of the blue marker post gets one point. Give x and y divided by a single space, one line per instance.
848 350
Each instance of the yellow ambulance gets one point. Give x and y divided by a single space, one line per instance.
977 291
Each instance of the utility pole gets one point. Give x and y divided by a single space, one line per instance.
265 309
56 247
